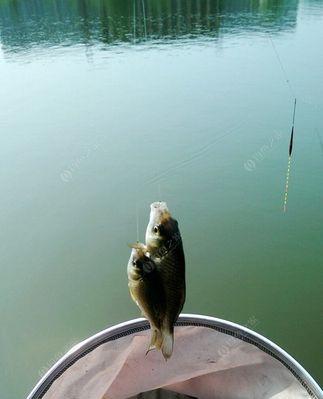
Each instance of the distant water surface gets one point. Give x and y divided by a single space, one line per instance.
107 106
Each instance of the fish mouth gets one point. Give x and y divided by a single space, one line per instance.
138 249
159 212
159 205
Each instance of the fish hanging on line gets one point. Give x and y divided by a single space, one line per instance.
156 277
164 243
147 291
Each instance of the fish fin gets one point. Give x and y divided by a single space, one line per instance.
152 345
167 344
149 350
159 339
156 340
139 246
133 297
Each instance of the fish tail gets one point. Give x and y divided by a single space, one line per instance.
156 340
167 343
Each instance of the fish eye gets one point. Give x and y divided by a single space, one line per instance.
137 263
159 228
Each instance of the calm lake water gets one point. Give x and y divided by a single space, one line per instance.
107 106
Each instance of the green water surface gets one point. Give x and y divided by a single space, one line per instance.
106 106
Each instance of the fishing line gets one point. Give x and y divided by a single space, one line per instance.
290 150
282 66
134 21
193 157
137 220
159 192
144 16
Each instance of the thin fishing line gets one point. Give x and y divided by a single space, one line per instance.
294 112
290 149
144 15
285 73
137 220
159 192
134 21
281 66
196 155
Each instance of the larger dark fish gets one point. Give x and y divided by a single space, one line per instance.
164 244
146 289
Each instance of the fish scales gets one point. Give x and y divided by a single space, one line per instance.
164 244
147 290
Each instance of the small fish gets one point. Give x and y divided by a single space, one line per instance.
147 291
164 244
